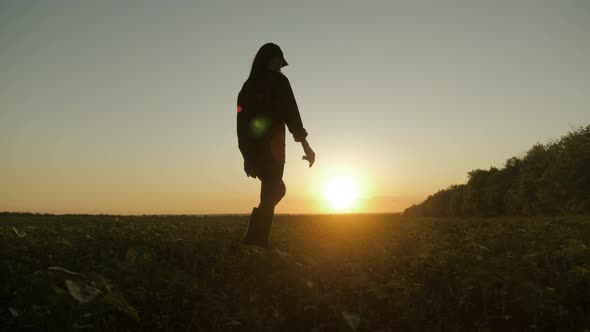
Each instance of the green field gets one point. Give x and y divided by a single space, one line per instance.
322 273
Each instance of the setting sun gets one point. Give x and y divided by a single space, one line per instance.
341 193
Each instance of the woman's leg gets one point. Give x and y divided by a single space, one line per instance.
272 190
272 187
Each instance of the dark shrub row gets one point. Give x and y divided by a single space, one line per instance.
551 179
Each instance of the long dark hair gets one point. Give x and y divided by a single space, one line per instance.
264 54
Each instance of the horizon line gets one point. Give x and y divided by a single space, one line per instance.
191 214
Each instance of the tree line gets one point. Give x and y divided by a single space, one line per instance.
551 179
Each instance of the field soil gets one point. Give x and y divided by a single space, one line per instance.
321 273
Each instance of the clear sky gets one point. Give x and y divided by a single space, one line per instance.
130 106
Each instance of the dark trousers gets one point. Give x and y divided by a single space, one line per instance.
272 188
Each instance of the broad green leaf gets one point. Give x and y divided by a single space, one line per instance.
80 327
282 253
61 269
82 291
100 282
14 312
118 302
63 241
233 322
19 233
352 319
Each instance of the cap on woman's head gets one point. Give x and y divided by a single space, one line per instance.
273 50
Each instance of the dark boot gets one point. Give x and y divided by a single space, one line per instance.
266 217
251 235
259 226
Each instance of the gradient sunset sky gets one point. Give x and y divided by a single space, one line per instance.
129 107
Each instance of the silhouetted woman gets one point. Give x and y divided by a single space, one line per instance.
265 105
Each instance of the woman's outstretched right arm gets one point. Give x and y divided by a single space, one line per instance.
293 119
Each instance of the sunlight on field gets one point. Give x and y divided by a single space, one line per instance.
341 193
140 273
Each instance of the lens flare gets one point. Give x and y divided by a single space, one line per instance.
259 126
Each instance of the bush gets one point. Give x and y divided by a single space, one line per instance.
551 179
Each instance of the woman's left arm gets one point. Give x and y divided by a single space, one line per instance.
293 119
289 105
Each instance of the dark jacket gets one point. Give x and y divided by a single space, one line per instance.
265 104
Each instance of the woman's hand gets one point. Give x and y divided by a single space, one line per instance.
309 154
249 168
